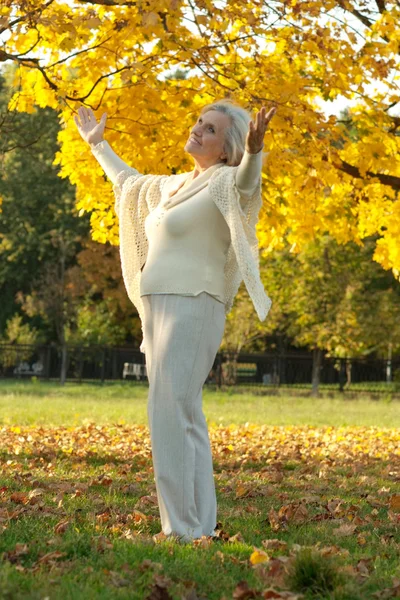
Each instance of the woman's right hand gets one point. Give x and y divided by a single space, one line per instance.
91 131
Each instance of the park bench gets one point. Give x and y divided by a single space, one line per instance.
24 368
134 370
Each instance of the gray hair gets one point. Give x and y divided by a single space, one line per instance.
236 133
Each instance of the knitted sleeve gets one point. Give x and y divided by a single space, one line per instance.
136 196
248 174
111 163
242 261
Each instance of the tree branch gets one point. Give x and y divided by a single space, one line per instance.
78 52
381 5
25 16
28 62
26 145
364 20
390 180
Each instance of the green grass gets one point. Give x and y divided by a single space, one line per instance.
50 404
76 476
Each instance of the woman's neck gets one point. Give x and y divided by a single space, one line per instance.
199 169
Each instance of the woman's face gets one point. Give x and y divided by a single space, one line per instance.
206 139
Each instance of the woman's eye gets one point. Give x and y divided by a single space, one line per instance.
212 128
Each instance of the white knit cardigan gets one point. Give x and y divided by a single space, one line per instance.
137 195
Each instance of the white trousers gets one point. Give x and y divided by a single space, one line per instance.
183 335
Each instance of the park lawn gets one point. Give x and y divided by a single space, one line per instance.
78 504
23 402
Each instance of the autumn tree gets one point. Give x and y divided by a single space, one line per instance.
114 55
40 231
96 284
12 134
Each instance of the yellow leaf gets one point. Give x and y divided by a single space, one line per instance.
202 19
395 503
259 556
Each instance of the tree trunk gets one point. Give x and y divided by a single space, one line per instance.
342 374
218 371
316 371
229 368
64 360
61 325
282 343
348 373
389 364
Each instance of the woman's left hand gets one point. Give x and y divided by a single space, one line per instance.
257 129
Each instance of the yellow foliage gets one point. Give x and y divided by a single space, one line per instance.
319 175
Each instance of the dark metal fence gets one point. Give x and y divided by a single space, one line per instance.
291 370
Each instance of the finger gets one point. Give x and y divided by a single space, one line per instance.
76 119
103 120
82 114
261 123
91 115
270 115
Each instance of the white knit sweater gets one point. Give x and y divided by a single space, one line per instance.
137 195
188 237
188 241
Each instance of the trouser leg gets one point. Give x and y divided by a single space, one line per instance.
183 334
204 484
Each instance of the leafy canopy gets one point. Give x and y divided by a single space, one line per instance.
320 175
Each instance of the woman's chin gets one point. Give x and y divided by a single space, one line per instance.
189 150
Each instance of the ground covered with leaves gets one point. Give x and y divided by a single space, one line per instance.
304 512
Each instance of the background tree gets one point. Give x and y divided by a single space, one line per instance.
38 208
241 329
96 324
334 299
18 333
12 135
114 55
50 298
96 278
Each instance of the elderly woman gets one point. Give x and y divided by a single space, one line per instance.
186 243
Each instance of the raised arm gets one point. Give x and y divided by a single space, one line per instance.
111 163
248 173
249 170
92 132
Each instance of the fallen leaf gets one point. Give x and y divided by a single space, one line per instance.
274 544
19 498
51 556
62 526
394 503
258 556
243 592
345 530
